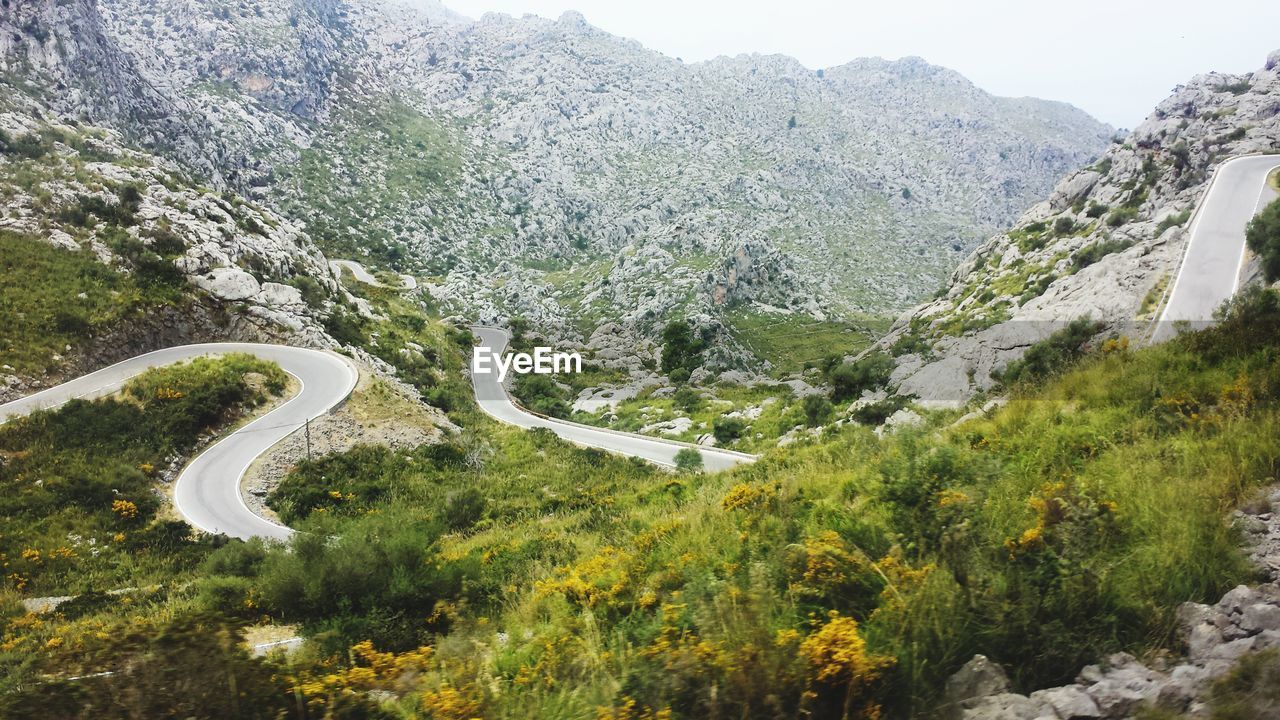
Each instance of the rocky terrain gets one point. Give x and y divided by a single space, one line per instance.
551 170
1245 621
1103 245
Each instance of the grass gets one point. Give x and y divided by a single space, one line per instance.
54 300
80 501
789 342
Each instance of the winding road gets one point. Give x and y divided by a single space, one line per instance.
207 493
1209 274
494 399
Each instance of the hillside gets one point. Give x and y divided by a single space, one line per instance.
549 170
1104 245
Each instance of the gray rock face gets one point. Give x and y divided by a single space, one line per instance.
226 283
977 678
1103 245
557 172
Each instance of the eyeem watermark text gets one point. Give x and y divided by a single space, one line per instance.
543 361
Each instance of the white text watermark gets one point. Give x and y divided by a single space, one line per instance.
543 361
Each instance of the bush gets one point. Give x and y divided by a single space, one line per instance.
540 394
1063 226
1122 215
1263 236
464 508
1094 252
688 460
1053 354
816 410
727 429
850 380
687 399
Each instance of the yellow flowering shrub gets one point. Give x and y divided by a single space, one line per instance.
598 580
837 655
629 709
745 496
125 509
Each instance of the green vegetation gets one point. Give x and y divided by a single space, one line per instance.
53 298
790 342
1263 237
540 394
79 482
351 206
1093 252
681 350
1052 354
846 571
688 460
850 380
1173 221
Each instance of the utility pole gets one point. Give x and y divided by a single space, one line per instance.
308 439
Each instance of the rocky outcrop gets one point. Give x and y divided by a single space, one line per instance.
1103 245
1246 620
64 47
550 170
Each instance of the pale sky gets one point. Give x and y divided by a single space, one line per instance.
1114 58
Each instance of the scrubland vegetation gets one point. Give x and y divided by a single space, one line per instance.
507 574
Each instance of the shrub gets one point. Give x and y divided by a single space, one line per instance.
1096 209
850 380
1063 226
1263 237
1122 215
464 508
687 399
1094 252
688 460
816 410
1053 354
727 429
345 327
540 394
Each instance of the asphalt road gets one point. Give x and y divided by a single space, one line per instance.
207 493
361 274
494 400
1210 270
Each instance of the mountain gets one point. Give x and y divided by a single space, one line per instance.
1104 245
551 170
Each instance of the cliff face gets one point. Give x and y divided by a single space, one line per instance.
62 49
551 170
522 161
1103 245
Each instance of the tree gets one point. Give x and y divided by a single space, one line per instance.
688 460
1263 235
681 348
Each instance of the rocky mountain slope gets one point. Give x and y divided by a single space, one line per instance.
1103 245
551 170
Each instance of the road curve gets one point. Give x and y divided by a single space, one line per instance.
1209 274
207 493
362 274
494 400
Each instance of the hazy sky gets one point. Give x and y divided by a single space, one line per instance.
1116 58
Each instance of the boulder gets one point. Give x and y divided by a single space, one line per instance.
1259 617
977 678
228 283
